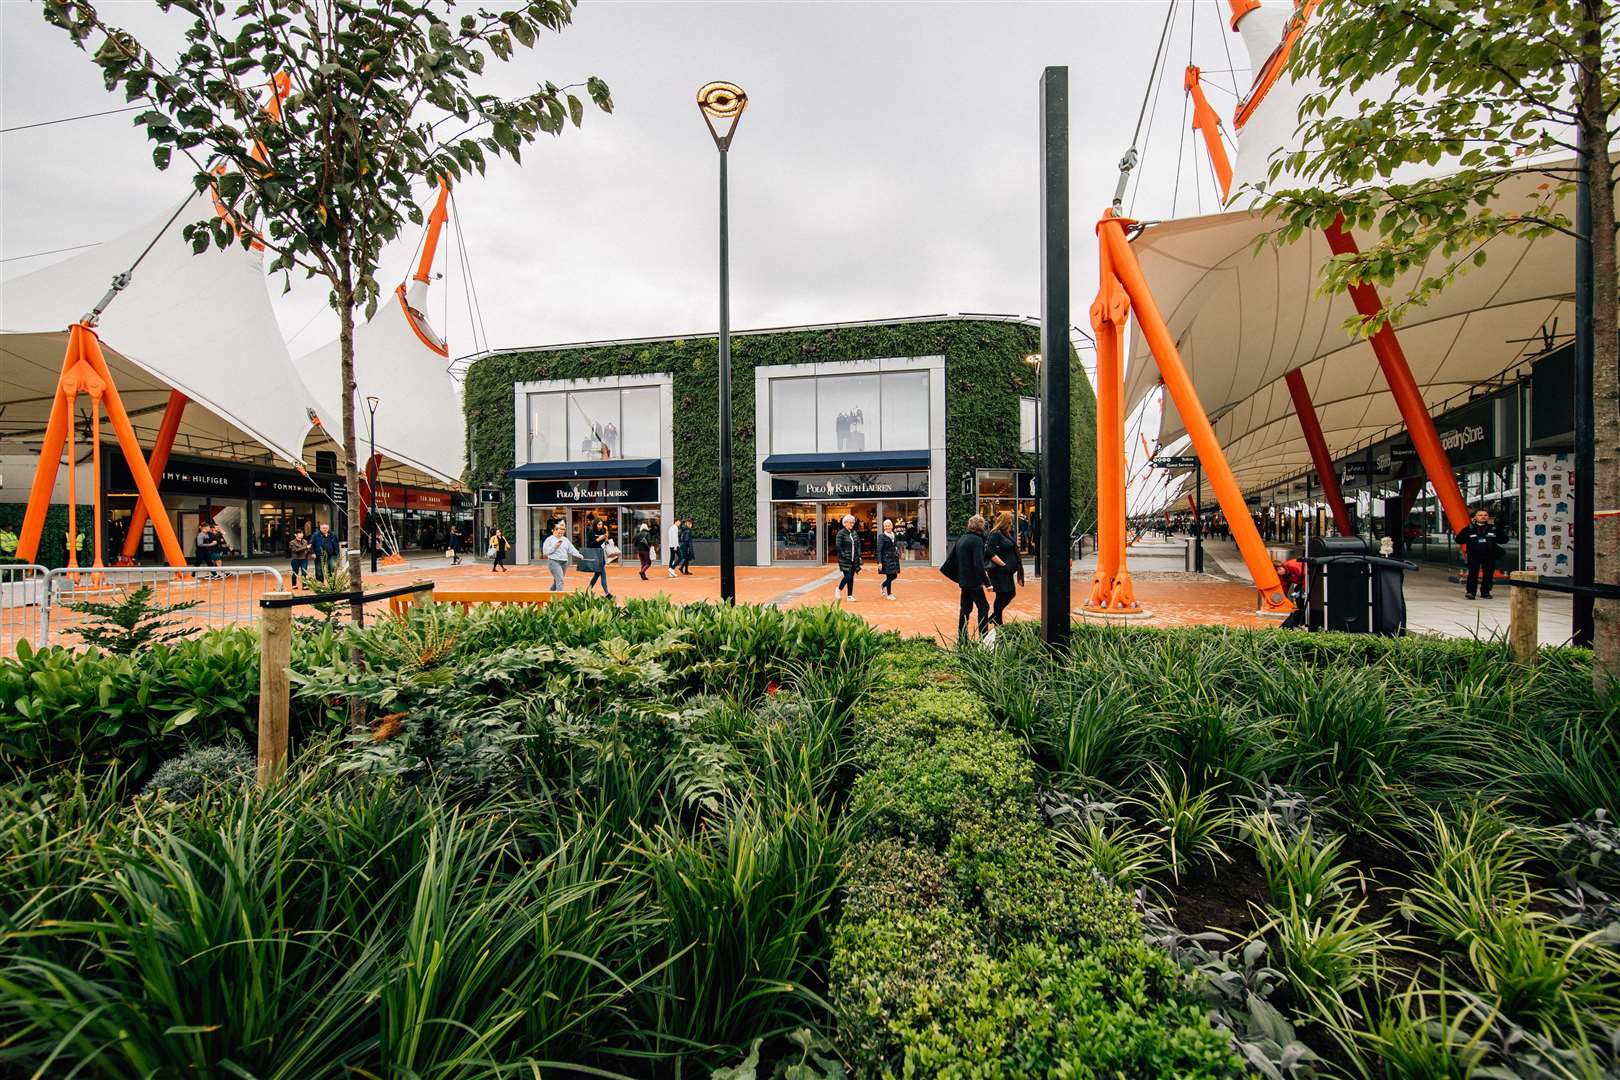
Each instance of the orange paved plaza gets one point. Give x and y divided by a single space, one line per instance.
926 600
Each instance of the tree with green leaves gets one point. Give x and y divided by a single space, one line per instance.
1487 90
383 99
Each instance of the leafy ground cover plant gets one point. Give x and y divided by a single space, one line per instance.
582 843
1425 855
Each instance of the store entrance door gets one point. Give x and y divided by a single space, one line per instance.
867 524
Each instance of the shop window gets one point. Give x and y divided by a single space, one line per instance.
548 428
641 431
595 425
793 416
905 410
1029 421
850 413
847 412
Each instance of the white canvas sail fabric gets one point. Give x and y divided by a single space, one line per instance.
200 324
419 417
1243 319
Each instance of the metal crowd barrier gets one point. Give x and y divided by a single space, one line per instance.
35 603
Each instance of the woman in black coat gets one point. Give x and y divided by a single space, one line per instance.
888 552
847 543
1003 565
965 566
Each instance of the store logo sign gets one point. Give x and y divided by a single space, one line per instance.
1461 438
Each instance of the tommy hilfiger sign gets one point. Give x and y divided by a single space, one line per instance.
638 489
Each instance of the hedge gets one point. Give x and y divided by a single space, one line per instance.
966 946
53 547
985 375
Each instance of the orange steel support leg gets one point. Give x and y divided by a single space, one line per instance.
1408 396
1207 124
1111 233
131 446
1111 589
82 368
1319 450
155 465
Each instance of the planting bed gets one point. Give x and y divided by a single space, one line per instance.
661 841
1371 857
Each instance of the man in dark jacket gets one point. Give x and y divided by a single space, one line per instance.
965 566
1481 541
847 544
324 549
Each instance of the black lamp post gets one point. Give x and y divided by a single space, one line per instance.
371 488
724 103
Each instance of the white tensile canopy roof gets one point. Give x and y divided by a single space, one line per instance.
1243 318
200 324
419 421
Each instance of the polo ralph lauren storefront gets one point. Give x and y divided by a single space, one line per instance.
889 420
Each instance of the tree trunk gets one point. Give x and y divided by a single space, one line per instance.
1605 387
351 478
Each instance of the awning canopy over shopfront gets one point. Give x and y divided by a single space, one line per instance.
864 462
199 324
586 470
1243 318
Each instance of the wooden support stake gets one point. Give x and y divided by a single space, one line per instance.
1524 622
423 597
275 656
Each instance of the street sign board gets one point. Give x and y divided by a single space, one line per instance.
1185 461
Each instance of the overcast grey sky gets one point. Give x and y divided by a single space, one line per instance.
887 164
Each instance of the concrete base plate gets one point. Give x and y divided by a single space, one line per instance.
1112 616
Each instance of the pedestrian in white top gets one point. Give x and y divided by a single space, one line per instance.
558 549
674 545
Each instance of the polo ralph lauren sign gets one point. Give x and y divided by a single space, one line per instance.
902 485
635 489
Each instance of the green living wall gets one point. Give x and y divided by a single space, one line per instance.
53 546
984 370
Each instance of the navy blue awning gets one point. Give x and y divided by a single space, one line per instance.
864 462
586 470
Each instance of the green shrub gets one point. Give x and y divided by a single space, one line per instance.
196 771
58 706
1114 1009
919 790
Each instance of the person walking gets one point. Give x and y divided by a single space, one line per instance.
298 552
499 545
674 546
686 546
1003 566
847 546
323 547
455 546
1481 541
965 566
643 544
888 553
558 549
597 556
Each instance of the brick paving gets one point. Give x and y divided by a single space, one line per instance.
926 601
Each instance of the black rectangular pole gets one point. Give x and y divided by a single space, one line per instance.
1056 436
1198 517
728 524
1583 558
